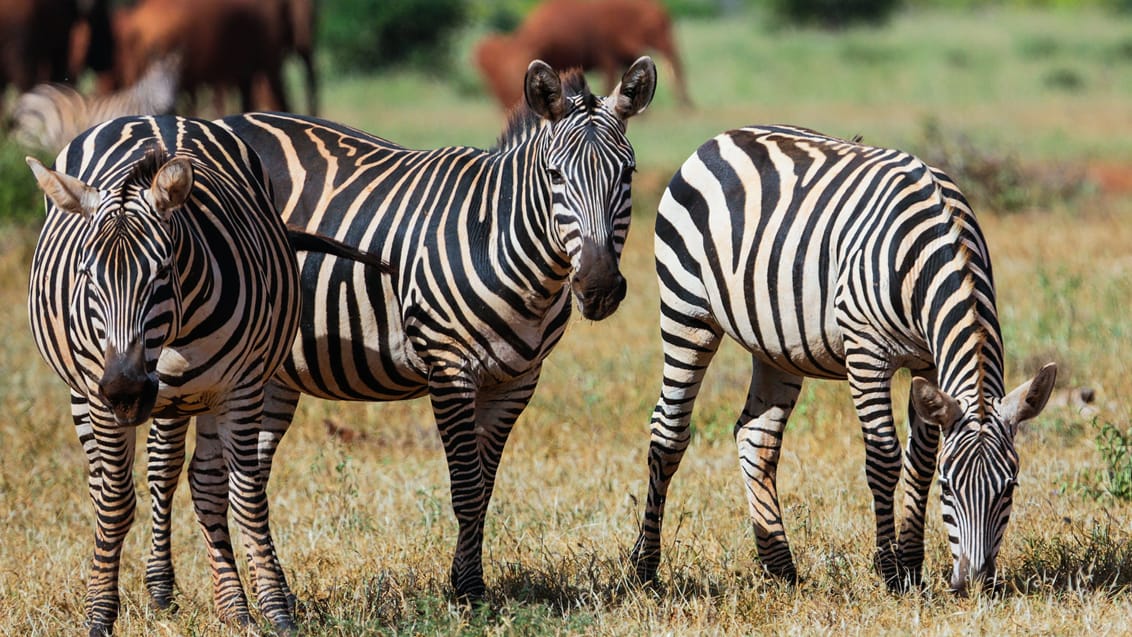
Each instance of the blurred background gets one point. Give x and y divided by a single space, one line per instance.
1025 102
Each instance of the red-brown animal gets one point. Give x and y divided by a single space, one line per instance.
224 44
35 39
605 35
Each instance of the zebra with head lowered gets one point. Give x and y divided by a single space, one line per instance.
487 247
829 259
163 284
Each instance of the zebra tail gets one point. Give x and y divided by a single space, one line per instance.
302 240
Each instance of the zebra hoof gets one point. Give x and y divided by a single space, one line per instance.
161 598
284 626
99 629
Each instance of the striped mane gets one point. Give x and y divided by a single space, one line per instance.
146 168
522 121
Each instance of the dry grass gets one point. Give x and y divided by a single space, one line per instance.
362 517
366 533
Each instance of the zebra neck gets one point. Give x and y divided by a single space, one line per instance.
965 340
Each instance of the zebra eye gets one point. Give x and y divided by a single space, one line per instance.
555 177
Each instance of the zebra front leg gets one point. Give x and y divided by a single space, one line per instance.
247 492
919 469
870 382
454 406
758 436
689 346
208 482
115 501
165 449
497 409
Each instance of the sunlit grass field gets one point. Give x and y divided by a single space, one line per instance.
363 521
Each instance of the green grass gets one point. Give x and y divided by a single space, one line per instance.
365 530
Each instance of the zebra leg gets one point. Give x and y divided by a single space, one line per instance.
279 405
689 346
247 492
165 449
453 399
208 481
497 410
870 382
758 436
110 453
919 468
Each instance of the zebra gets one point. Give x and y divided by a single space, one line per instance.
488 246
50 115
827 258
163 285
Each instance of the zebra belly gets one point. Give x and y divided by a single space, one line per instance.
788 324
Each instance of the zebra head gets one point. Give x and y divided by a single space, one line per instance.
978 468
588 162
125 302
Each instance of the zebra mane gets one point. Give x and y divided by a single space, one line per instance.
522 121
146 168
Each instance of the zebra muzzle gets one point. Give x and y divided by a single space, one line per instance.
126 387
597 283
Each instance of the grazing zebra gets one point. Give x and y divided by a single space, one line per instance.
826 258
163 284
487 247
50 115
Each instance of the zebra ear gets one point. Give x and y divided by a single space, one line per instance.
171 185
635 91
543 90
933 405
1028 400
66 192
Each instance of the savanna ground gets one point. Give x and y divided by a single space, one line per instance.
362 517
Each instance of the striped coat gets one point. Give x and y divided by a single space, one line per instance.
490 249
830 259
163 285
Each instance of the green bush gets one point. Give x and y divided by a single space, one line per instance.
367 35
832 14
20 199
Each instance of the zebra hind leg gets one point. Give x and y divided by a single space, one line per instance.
279 405
247 492
758 437
165 448
208 482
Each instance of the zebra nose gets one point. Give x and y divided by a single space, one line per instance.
128 390
968 575
598 284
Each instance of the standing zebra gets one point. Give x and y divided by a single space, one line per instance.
163 284
829 259
487 247
50 115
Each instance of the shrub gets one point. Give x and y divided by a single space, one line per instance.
998 181
20 199
831 14
367 35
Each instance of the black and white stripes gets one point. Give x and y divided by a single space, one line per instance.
488 248
830 259
163 284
